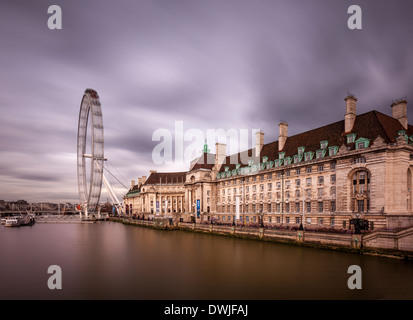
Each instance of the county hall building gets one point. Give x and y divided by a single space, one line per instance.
359 167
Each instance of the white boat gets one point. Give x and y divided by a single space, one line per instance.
14 222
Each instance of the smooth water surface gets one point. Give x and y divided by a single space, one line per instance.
110 260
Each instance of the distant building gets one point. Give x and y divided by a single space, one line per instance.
357 167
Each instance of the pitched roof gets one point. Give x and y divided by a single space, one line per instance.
166 178
369 125
205 161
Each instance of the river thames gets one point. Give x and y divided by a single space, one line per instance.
109 260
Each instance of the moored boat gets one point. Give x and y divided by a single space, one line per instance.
19 221
14 221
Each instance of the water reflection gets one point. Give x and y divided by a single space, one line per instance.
112 261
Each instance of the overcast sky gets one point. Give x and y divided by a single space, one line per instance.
230 64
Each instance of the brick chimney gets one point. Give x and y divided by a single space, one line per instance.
399 111
220 153
259 142
350 116
143 179
283 133
132 184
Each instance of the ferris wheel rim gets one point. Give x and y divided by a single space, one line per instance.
90 113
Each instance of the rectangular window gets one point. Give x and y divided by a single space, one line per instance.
360 145
351 137
287 173
320 168
308 181
287 207
297 182
320 180
308 220
278 219
287 220
308 169
360 205
270 186
308 206
287 184
323 144
333 221
320 206
297 207
320 192
333 206
278 207
297 193
261 187
269 208
297 171
297 220
269 195
333 179
320 221
308 193
333 166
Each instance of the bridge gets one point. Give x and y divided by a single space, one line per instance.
70 218
51 217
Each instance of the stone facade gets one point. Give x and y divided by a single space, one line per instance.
360 167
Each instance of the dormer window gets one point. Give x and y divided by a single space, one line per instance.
226 169
362 143
308 155
401 132
301 151
278 162
351 138
281 155
324 144
287 161
320 154
237 166
332 151
264 159
250 163
297 158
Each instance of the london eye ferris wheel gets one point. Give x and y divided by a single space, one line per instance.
90 155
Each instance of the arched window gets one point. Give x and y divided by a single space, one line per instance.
361 191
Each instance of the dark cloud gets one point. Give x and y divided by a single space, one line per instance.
211 64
